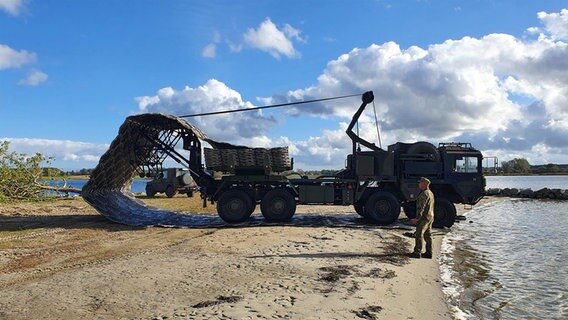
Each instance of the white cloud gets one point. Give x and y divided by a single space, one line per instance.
293 33
273 40
244 127
533 30
59 149
326 151
235 47
216 36
556 23
472 89
507 96
34 78
13 7
10 58
209 51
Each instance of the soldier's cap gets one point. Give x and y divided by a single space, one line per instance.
425 180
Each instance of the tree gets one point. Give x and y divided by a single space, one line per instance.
19 173
551 168
52 172
517 165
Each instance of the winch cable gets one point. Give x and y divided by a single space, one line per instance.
268 107
358 145
377 124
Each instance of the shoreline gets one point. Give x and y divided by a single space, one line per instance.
491 277
447 283
66 261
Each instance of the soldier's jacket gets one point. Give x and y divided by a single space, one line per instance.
425 206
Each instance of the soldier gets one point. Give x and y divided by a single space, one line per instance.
423 220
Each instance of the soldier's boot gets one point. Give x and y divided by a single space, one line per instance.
427 255
416 255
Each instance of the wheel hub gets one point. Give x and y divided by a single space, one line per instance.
383 207
278 205
235 205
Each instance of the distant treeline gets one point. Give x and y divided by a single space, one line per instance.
55 172
522 166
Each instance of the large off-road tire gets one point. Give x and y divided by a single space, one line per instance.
360 209
170 191
409 209
444 213
382 208
278 205
423 147
150 192
234 206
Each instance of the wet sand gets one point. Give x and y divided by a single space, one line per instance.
64 261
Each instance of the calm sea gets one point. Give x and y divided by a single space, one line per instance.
509 259
531 182
138 185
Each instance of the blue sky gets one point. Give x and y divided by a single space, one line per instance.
494 73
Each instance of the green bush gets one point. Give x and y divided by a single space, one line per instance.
18 174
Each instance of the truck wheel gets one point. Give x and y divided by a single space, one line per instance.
170 191
360 209
234 206
150 192
409 209
382 208
278 205
444 213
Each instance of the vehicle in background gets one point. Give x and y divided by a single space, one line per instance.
171 181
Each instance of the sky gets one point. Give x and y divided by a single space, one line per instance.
492 73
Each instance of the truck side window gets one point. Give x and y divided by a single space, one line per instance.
466 165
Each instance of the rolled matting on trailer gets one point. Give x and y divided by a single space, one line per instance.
108 189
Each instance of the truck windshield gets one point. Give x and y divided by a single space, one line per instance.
466 164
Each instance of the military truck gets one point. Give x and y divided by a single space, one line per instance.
377 182
171 181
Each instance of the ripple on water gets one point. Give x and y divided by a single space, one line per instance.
510 263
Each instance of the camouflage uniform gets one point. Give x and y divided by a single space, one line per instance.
425 216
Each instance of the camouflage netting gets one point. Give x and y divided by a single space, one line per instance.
108 189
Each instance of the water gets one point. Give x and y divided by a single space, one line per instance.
138 185
510 262
528 182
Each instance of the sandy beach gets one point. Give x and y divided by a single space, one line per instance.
62 260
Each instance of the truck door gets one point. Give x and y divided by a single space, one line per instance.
466 175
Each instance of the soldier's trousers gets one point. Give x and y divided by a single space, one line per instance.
423 231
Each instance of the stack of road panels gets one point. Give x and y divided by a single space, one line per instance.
227 160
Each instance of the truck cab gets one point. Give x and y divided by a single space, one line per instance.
464 171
